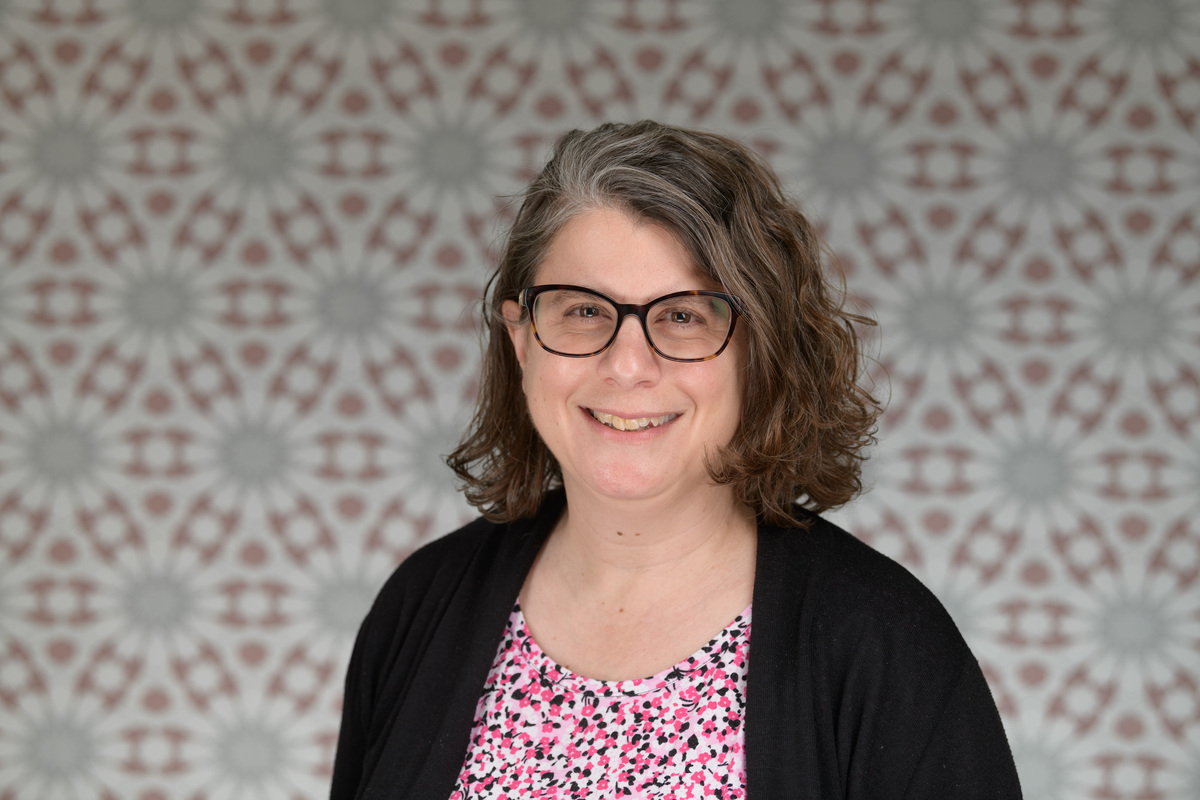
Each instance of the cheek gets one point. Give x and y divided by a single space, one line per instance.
550 393
539 387
529 387
725 396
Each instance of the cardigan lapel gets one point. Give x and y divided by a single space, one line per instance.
781 723
428 740
423 754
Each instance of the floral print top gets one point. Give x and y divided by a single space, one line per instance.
542 731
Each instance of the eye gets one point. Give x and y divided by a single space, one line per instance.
587 312
681 316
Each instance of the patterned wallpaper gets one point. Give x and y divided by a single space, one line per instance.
240 244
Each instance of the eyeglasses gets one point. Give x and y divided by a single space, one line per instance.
576 322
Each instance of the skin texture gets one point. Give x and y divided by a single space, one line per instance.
651 558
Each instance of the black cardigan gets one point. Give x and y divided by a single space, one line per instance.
859 686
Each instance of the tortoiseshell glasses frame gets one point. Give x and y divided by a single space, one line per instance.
714 336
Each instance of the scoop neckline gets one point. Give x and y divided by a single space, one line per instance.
629 687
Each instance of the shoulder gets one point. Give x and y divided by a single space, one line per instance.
434 599
425 646
865 655
854 603
421 581
438 560
851 575
477 565
449 553
456 562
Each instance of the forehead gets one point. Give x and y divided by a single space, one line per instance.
629 259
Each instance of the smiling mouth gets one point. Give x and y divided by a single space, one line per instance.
622 424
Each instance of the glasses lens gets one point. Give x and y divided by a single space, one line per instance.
580 323
572 322
689 326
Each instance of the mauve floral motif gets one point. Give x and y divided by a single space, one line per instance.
242 246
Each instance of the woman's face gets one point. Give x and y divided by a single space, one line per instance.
631 262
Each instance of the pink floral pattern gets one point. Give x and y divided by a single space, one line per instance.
543 731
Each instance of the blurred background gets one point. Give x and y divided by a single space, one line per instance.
241 247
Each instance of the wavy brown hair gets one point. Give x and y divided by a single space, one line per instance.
805 417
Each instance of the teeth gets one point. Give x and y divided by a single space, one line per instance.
622 424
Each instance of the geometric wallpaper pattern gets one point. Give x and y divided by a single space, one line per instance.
241 248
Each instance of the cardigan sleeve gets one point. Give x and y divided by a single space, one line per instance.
911 712
388 646
395 642
352 740
421 658
967 755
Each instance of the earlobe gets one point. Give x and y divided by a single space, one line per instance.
517 332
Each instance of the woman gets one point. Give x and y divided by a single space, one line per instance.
667 373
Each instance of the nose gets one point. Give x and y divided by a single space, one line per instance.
630 359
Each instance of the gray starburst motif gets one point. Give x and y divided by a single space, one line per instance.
429 485
451 158
251 753
1040 168
353 306
157 603
947 21
748 19
59 750
358 16
1145 23
1035 473
1192 471
427 448
1041 768
552 17
1133 627
164 15
339 603
1191 778
63 454
254 455
67 152
843 164
877 468
1136 324
258 153
962 606
159 304
938 318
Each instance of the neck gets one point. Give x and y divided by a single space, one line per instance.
625 589
605 539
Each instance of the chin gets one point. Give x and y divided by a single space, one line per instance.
624 483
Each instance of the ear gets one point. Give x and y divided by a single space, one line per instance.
518 333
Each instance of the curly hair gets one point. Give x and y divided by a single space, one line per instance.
805 418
